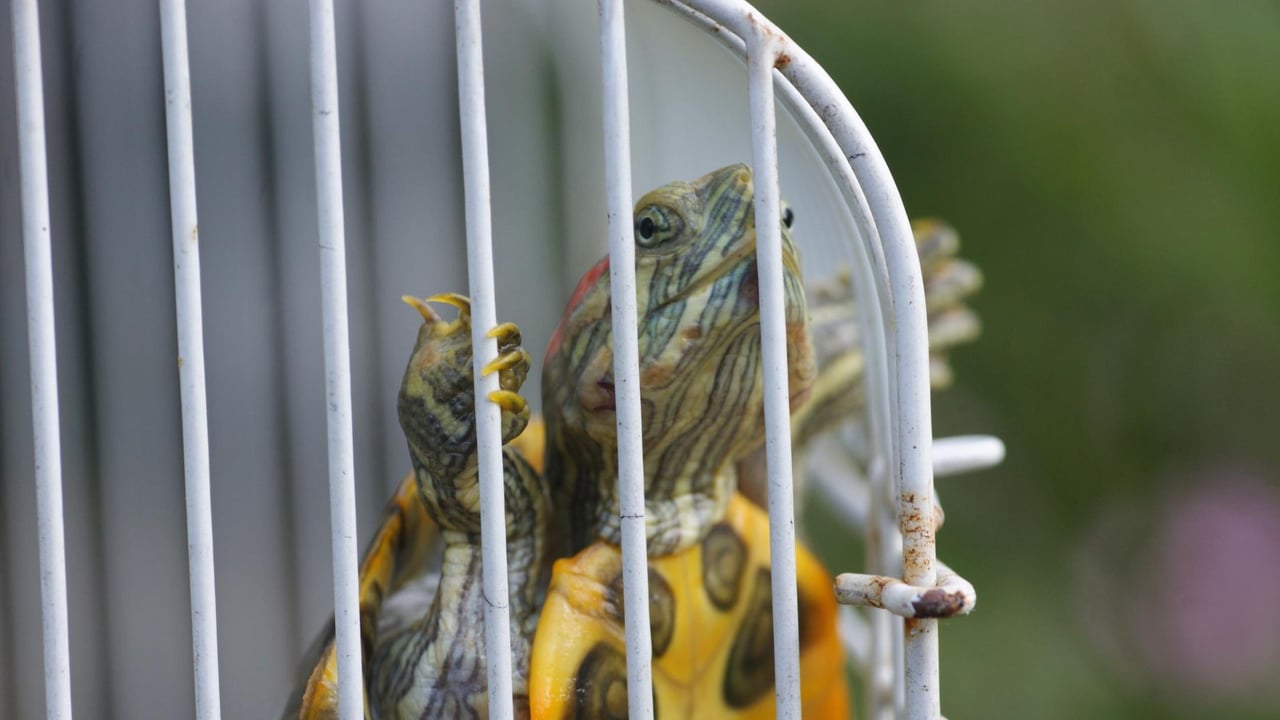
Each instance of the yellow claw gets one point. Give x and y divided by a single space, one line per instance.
505 330
428 315
505 361
462 302
507 400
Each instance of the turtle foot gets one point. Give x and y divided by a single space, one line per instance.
512 366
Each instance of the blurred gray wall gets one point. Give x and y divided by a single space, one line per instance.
121 434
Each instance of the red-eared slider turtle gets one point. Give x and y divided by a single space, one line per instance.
703 403
708 546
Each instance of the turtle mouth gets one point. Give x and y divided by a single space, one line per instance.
605 399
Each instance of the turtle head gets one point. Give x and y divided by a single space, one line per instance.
698 319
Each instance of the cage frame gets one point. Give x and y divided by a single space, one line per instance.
903 523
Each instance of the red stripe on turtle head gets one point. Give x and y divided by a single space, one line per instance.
588 280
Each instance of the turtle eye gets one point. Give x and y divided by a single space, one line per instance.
656 226
788 217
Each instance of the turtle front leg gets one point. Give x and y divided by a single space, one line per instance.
435 665
437 407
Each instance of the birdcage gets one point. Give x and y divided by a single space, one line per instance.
889 494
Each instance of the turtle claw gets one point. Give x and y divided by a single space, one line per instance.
512 363
462 302
434 320
506 332
428 315
509 401
515 413
506 361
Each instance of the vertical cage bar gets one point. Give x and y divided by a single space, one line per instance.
626 359
493 517
191 378
337 357
41 342
761 55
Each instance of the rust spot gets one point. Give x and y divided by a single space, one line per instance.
693 332
783 61
180 361
195 233
938 603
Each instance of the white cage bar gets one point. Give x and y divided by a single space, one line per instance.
626 359
493 516
38 258
191 376
337 359
898 511
762 53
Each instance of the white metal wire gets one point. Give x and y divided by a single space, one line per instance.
44 366
966 453
848 496
905 375
493 529
191 377
337 359
626 360
887 277
761 56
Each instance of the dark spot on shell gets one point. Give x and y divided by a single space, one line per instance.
724 557
662 609
748 676
600 688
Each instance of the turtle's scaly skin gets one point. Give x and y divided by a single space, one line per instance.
433 666
700 373
702 397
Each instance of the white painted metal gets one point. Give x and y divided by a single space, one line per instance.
761 56
191 377
626 360
337 358
887 278
966 453
493 529
953 595
848 496
905 375
883 686
41 343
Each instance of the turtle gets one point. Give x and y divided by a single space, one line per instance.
702 405
709 585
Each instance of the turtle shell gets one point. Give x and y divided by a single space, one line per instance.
711 621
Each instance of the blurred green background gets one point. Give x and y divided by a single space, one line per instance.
1114 168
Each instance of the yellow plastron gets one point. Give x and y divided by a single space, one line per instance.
712 629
